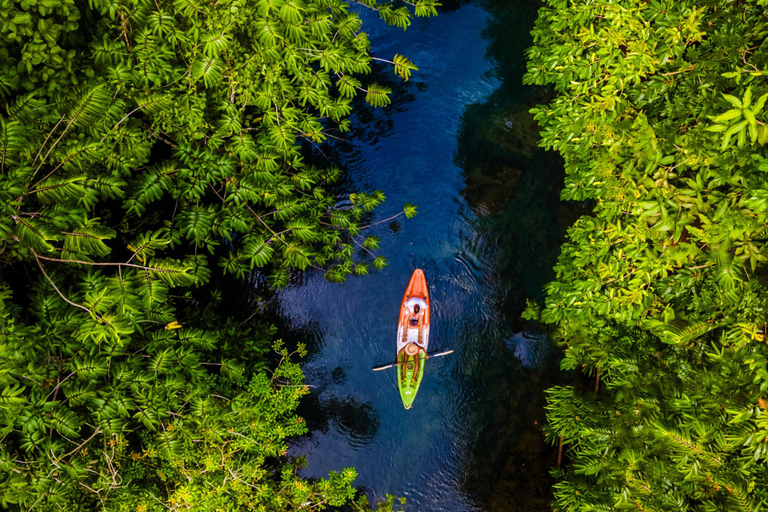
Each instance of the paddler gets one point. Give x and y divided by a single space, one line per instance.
413 351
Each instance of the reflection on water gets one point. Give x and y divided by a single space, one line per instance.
485 237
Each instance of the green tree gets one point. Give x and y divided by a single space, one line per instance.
145 146
660 294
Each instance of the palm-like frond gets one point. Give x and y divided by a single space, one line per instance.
208 69
90 105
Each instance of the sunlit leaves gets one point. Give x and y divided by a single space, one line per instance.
398 17
657 295
147 243
372 242
162 361
377 95
403 66
208 69
258 251
298 256
348 86
89 105
167 136
426 7
215 43
739 120
89 239
380 262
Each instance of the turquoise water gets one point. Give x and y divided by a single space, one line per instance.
457 142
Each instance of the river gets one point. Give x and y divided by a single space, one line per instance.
458 142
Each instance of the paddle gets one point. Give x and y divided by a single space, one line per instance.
379 368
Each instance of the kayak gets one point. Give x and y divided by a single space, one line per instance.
412 337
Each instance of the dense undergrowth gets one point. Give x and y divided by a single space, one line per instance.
147 147
660 293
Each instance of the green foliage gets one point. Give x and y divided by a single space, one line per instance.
143 147
661 293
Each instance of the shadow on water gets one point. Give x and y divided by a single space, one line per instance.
513 186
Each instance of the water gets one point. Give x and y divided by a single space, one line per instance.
457 142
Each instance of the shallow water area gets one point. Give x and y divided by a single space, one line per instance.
445 452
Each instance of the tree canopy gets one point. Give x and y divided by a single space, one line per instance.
660 118
146 148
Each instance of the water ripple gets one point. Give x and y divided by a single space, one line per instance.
355 416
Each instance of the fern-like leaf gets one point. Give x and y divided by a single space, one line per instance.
403 66
207 69
378 95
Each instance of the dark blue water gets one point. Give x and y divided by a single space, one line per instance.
485 236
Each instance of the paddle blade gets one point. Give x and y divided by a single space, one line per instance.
379 368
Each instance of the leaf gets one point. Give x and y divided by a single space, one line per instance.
278 279
731 114
61 189
298 256
10 395
398 17
91 367
258 251
37 234
90 105
759 104
733 100
154 103
426 8
162 361
147 243
148 418
680 331
410 210
336 274
12 142
89 239
303 230
378 95
173 325
750 117
717 128
215 43
171 272
380 262
762 134
208 69
233 369
403 66
348 86
725 143
372 242
736 128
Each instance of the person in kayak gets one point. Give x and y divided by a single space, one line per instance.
415 317
415 305
413 351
